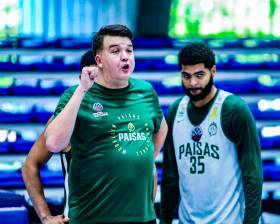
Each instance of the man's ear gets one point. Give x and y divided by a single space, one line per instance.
213 70
98 61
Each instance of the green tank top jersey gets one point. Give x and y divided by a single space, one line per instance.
111 170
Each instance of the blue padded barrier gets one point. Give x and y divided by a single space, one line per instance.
5 136
9 66
143 65
268 84
220 43
11 112
270 142
6 43
43 112
236 64
271 171
12 215
264 114
56 64
273 65
5 85
4 147
62 85
12 179
21 146
20 142
47 86
159 42
161 65
11 199
17 142
26 113
52 178
275 43
75 66
165 109
25 87
36 42
164 89
269 136
159 174
239 86
30 87
222 62
72 43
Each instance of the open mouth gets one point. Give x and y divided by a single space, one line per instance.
195 91
125 67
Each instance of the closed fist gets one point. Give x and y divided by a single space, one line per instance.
88 77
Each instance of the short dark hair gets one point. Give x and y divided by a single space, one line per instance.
87 60
110 30
196 53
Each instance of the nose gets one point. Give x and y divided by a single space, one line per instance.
124 56
193 81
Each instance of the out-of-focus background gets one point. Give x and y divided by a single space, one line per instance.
42 41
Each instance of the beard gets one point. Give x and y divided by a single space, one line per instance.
204 91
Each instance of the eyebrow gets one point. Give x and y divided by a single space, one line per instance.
117 45
196 73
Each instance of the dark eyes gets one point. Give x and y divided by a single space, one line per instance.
116 51
188 76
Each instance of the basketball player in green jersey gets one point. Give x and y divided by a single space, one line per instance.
39 156
116 128
212 156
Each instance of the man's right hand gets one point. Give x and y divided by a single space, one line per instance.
88 77
58 219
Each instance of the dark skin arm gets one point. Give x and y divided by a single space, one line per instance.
158 140
38 156
170 176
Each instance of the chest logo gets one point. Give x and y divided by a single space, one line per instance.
130 127
212 129
98 108
131 137
196 133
